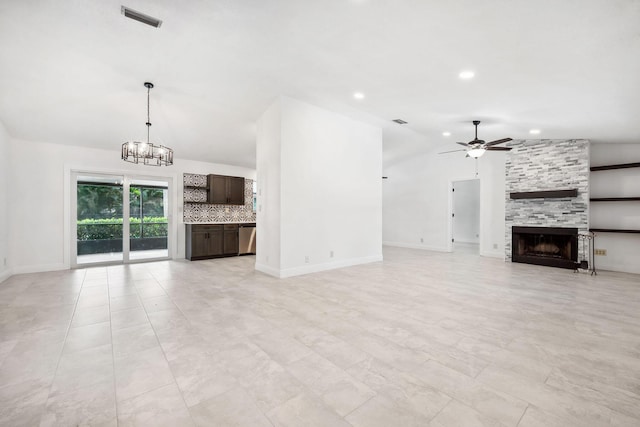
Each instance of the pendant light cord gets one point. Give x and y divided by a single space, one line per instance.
148 115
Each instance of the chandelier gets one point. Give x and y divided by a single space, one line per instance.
146 152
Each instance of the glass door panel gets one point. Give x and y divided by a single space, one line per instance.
148 219
99 219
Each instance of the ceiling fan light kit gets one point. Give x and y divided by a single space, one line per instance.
146 152
477 147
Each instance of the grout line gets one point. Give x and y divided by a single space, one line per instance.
162 350
113 355
522 416
64 343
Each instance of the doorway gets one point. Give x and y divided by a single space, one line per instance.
465 216
119 219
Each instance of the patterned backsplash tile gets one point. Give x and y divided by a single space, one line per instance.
207 213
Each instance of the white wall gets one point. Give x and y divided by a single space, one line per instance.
268 131
39 197
5 153
623 250
417 201
466 207
330 189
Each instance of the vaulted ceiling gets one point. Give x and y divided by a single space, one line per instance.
72 71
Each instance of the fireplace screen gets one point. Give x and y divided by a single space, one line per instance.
552 246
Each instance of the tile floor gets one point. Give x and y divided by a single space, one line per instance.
421 339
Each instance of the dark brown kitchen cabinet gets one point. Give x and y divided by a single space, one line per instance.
203 241
231 239
226 190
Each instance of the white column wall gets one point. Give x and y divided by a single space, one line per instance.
268 154
330 189
39 197
5 154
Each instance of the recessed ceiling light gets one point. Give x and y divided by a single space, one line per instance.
446 133
358 95
466 75
534 131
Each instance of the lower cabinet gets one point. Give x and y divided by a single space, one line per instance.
211 240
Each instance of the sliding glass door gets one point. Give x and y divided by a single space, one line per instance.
119 219
148 225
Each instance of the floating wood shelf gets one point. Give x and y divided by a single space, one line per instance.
611 167
195 187
553 194
614 199
613 230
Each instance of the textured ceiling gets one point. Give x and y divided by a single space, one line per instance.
72 72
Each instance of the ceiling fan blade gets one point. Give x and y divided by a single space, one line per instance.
463 143
452 151
498 148
497 141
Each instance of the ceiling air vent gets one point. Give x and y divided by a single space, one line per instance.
399 121
141 17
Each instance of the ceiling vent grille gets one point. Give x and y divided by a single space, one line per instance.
399 121
141 17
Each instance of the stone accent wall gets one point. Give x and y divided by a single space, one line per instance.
208 213
542 165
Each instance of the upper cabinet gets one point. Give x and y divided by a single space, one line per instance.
225 190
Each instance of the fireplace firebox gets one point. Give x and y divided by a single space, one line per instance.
550 246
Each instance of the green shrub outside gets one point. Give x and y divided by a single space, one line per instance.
111 228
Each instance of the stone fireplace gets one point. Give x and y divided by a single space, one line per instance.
547 201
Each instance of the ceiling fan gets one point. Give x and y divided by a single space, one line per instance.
477 147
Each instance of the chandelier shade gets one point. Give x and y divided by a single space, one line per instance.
146 152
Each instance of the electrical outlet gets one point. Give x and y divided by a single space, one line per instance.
602 252
226 210
495 246
421 240
330 254
306 259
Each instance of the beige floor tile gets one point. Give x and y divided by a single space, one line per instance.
129 317
511 343
141 372
123 302
201 377
457 414
160 407
134 339
90 316
234 408
85 337
21 404
339 390
93 405
305 410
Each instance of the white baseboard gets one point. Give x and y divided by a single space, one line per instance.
316 268
416 246
24 269
492 254
267 270
4 275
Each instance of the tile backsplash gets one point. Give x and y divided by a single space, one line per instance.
208 213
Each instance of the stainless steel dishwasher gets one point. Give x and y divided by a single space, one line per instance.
247 238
